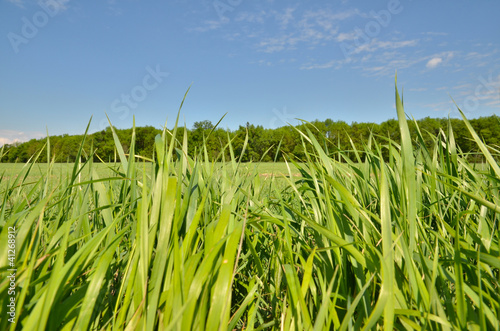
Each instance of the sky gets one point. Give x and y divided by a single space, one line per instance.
269 62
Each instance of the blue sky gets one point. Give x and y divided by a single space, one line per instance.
263 62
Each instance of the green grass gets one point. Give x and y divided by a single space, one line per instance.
9 171
60 171
407 241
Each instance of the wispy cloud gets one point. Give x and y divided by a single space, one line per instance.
434 62
335 64
387 62
439 59
285 29
272 45
444 106
12 136
494 103
326 19
209 26
115 11
432 33
346 36
252 17
379 58
315 33
60 5
471 56
375 45
285 17
309 29
478 94
488 90
463 86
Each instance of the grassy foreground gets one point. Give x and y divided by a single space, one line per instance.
59 171
409 241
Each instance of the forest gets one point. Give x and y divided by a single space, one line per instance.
264 144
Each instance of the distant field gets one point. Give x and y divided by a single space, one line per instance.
60 171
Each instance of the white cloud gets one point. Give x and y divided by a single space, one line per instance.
484 91
310 29
343 36
494 103
12 136
276 44
114 9
386 63
285 18
325 19
59 5
463 86
381 58
434 62
249 17
376 44
444 106
209 26
336 64
430 33
439 59
471 56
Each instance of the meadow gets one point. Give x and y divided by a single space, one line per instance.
61 171
405 238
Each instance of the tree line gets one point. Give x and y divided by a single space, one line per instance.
263 144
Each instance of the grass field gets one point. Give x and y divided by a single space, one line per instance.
60 171
408 241
11 170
